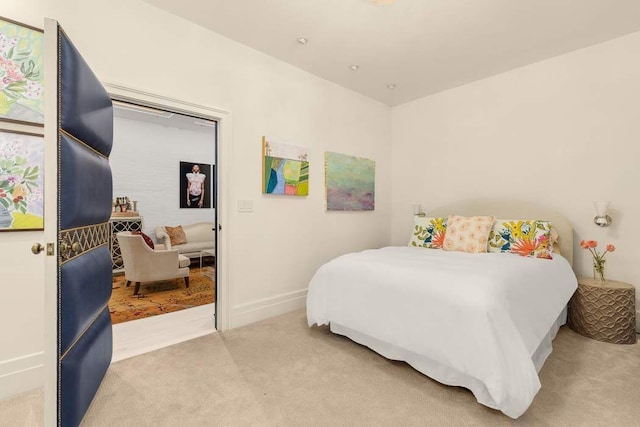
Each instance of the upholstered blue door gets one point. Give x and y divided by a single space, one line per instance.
85 137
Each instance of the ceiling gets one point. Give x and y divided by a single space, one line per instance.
421 46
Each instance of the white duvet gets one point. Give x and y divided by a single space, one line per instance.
473 320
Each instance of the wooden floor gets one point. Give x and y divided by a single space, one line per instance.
161 297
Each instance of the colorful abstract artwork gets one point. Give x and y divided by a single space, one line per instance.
285 169
349 182
21 73
21 180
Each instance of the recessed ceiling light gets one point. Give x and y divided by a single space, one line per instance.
391 86
354 67
302 40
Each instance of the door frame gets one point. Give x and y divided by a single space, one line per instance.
223 148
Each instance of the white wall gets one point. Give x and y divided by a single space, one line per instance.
563 133
145 162
274 251
22 283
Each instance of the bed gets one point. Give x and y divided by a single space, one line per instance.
480 321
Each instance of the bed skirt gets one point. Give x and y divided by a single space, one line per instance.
444 374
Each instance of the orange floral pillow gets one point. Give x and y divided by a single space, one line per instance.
176 235
530 238
467 234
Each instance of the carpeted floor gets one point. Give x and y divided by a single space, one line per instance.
161 297
279 372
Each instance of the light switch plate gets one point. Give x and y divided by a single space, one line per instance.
245 205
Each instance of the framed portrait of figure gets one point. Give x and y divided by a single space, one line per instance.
195 185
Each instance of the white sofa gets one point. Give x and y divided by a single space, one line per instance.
200 236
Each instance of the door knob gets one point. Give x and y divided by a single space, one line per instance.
36 248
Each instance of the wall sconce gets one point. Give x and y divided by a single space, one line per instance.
602 219
417 210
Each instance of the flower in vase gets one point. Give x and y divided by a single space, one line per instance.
598 257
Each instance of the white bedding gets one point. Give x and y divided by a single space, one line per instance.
473 320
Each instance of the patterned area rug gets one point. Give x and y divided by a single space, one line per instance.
160 297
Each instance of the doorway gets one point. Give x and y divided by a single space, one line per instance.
154 139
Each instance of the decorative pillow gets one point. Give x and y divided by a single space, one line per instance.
146 238
176 235
530 238
428 232
467 234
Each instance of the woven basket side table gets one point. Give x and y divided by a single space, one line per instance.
604 311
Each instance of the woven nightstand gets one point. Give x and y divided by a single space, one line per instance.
604 311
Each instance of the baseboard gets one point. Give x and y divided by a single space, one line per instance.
21 374
254 311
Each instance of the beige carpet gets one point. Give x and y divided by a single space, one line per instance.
280 373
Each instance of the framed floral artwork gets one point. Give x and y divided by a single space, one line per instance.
21 73
21 181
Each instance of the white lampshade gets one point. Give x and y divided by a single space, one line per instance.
602 219
601 208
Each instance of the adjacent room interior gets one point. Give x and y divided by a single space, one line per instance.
154 153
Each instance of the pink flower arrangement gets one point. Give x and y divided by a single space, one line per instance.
598 257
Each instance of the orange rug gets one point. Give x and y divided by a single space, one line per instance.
160 297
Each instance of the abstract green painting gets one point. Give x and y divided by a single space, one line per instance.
21 73
285 169
349 182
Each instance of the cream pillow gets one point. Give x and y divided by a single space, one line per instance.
467 234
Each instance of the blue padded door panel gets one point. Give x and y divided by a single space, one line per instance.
85 185
86 110
86 288
85 190
82 369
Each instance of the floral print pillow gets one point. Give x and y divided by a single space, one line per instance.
530 238
467 234
428 232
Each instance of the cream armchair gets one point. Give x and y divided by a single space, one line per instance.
143 264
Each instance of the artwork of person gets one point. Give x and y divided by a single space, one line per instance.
195 187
